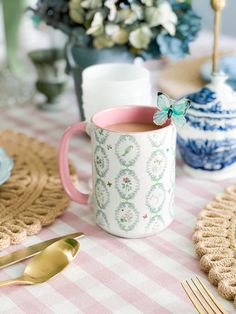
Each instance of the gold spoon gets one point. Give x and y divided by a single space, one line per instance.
217 6
47 263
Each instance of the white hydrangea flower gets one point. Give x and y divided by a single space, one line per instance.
91 4
148 3
96 27
140 38
118 35
111 5
138 10
126 16
162 15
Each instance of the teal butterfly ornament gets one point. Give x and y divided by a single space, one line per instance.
171 109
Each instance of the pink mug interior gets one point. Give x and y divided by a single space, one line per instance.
126 114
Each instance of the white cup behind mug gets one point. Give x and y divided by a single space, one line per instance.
109 85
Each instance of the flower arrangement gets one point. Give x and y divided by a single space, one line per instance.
150 28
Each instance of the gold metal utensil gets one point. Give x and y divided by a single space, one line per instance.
201 297
32 250
47 264
217 6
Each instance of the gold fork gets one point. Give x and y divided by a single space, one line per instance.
200 296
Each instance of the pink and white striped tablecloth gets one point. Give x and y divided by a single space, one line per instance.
110 274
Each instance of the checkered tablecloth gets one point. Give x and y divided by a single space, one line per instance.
110 274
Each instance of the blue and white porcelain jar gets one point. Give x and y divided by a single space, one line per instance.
207 142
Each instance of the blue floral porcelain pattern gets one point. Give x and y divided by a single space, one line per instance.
206 101
204 96
6 165
208 140
207 154
211 124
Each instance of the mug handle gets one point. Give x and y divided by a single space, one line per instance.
69 187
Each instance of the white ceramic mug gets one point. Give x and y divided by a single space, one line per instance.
133 172
108 85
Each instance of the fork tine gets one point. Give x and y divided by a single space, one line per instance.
211 297
205 297
201 297
202 300
191 298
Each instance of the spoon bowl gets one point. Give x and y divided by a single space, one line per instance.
48 263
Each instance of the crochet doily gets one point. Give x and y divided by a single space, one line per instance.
215 242
33 195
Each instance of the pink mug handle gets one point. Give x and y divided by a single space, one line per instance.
69 187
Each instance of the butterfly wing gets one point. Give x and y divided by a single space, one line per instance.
163 101
181 106
160 117
178 120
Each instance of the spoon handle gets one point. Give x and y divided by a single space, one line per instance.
15 281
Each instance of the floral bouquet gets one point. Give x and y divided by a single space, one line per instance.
148 28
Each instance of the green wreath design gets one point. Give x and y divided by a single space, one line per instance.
101 161
127 150
126 216
155 208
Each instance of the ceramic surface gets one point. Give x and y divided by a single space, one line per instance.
133 178
207 143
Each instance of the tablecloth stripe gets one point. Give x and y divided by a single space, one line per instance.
110 274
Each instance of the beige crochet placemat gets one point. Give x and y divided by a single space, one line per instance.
215 242
33 195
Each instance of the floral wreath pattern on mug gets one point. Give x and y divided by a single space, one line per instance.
156 223
101 161
101 192
156 140
102 219
127 150
156 165
100 135
156 198
127 184
127 216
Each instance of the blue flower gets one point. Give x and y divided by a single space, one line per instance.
172 47
187 28
6 165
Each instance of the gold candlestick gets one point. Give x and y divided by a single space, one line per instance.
217 6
